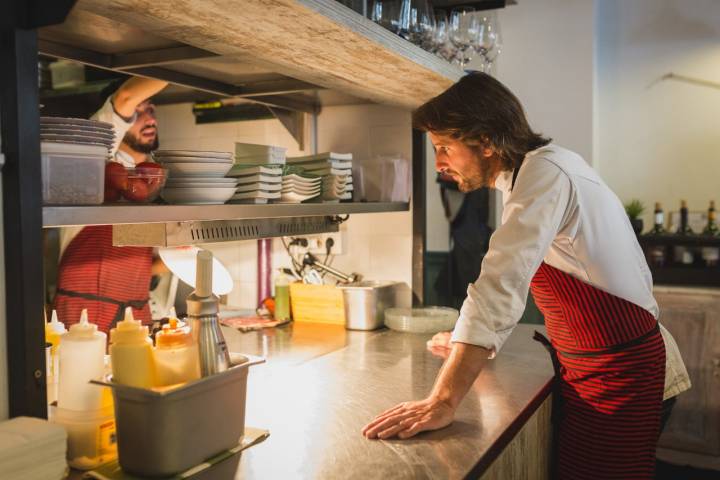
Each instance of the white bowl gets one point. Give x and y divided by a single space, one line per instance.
179 159
213 169
184 181
192 153
197 196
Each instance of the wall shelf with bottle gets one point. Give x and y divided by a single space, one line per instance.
683 257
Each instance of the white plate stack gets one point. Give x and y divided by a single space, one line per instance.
256 183
253 154
335 170
196 177
78 131
298 187
32 449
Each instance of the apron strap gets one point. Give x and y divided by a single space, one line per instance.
122 305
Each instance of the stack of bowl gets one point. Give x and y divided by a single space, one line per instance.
197 177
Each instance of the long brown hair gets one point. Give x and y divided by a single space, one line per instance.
481 112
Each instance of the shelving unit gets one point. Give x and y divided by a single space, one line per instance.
289 55
60 216
675 273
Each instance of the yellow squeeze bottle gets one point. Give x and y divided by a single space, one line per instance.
131 353
176 354
53 330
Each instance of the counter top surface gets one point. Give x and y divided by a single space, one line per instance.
321 384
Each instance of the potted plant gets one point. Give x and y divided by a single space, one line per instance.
634 208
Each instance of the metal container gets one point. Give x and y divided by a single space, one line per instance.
167 431
365 302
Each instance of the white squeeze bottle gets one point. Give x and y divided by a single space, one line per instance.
131 353
176 355
81 356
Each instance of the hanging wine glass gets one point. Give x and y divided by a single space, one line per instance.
463 32
420 22
440 43
387 14
495 38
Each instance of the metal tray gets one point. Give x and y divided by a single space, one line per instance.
162 432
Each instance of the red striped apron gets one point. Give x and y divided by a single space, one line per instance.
611 360
94 274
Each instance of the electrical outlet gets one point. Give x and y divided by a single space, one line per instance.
317 244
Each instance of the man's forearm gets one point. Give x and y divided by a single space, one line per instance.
133 92
459 372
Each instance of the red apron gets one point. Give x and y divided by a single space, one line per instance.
611 360
94 274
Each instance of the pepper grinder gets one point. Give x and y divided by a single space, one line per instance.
202 310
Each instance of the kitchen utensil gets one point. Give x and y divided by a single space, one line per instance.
365 302
202 310
421 320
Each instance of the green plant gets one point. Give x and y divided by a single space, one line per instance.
634 208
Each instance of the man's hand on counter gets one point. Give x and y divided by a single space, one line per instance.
439 345
409 418
438 410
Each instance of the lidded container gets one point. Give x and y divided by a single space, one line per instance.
282 297
131 353
176 354
73 174
53 330
81 354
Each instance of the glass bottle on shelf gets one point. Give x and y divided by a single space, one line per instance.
711 228
659 226
684 228
711 255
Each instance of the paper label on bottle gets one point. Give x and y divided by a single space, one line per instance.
659 219
107 437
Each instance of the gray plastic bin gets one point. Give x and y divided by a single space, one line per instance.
161 433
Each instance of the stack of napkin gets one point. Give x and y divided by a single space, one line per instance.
32 449
335 170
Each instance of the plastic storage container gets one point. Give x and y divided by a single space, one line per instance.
365 302
73 174
91 435
176 355
421 320
317 303
131 353
82 357
282 297
166 431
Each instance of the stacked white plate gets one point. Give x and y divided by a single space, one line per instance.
335 170
297 188
31 449
196 177
256 183
77 131
252 154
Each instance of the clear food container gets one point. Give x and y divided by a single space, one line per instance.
73 174
421 320
136 185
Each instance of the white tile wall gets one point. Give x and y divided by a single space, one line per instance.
379 246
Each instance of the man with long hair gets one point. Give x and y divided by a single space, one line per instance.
564 236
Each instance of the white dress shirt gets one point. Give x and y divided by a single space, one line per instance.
560 212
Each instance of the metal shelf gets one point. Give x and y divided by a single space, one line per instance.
60 216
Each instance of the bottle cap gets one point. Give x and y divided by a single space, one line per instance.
55 325
129 330
173 334
84 329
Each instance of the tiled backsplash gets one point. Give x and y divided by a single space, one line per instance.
379 246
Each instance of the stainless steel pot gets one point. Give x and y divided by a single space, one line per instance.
365 302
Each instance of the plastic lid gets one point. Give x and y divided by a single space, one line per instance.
129 330
84 329
173 334
55 325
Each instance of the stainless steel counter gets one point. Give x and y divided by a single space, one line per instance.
321 384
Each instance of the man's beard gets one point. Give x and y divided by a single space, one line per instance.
487 171
134 142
